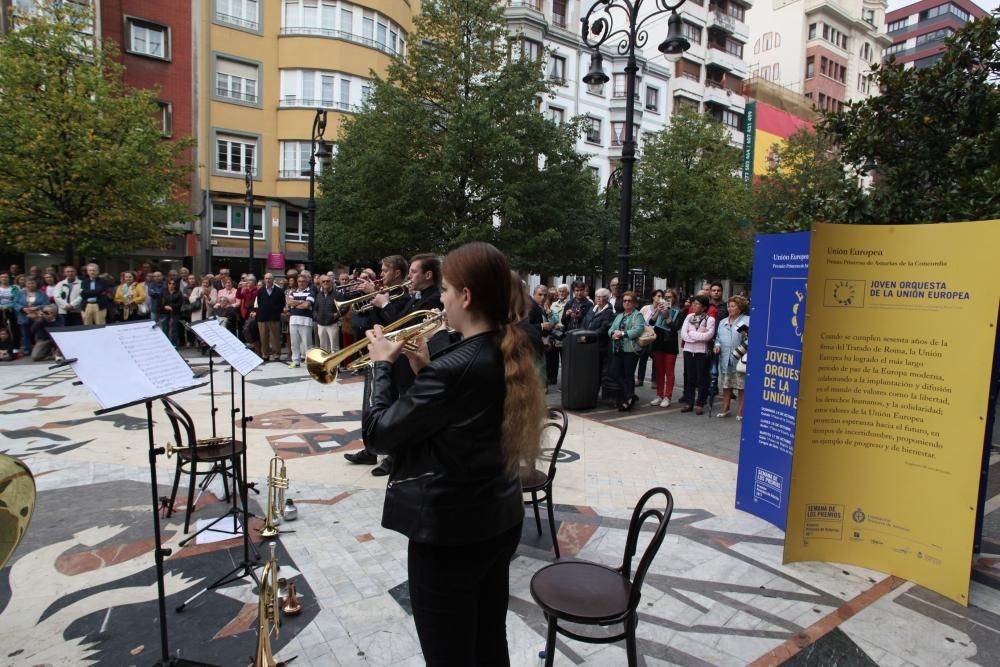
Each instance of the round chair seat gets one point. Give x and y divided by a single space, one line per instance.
531 478
581 592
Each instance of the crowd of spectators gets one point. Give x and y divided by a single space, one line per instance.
282 315
708 332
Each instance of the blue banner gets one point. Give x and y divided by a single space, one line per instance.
777 318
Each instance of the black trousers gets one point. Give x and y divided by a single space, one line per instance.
696 368
459 597
552 364
622 370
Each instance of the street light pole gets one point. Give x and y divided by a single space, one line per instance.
598 27
249 198
318 148
614 180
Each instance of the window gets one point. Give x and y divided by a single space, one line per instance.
233 155
148 39
230 220
617 133
897 25
165 115
242 13
869 16
555 114
317 88
729 118
595 172
810 67
236 80
295 160
531 50
557 68
381 31
594 131
366 93
559 13
935 36
764 73
368 25
734 48
940 10
866 52
295 226
767 41
692 32
620 82
652 99
736 11
812 31
688 69
776 73
895 48
681 103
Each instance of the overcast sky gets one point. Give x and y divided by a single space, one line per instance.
988 5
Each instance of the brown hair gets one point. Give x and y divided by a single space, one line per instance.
428 262
520 300
398 263
484 270
740 302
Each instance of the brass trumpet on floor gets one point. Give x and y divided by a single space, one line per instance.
277 482
364 303
323 366
267 612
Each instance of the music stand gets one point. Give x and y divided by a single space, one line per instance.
123 365
242 360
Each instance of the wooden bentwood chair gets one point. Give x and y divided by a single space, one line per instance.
221 453
592 594
536 482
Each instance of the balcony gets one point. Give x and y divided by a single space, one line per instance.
249 24
308 31
723 21
687 85
293 102
727 61
717 94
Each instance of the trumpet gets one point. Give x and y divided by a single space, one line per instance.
364 303
323 366
204 442
267 613
277 482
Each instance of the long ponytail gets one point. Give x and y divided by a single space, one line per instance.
524 400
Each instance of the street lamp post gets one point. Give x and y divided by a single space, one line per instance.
318 148
249 198
599 26
615 181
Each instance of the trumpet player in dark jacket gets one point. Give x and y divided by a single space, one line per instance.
458 435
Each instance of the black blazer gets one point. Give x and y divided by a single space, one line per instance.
269 307
448 483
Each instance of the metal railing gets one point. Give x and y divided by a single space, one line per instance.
237 20
236 95
340 34
294 102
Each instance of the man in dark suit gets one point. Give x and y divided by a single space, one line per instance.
270 303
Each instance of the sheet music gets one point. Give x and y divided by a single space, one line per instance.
227 346
125 363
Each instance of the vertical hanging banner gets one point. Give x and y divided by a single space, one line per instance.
777 318
893 399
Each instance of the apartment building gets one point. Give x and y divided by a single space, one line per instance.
264 69
918 30
708 77
822 49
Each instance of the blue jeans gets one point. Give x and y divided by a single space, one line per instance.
27 340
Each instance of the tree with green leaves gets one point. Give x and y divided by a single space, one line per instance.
933 134
690 204
806 183
451 148
84 167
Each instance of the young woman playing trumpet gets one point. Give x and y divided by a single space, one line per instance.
458 436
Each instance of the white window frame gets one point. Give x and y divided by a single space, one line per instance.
557 68
231 230
654 93
232 141
137 27
556 115
301 234
309 88
166 117
235 87
242 13
297 152
619 85
593 133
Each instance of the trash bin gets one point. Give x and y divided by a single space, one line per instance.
581 376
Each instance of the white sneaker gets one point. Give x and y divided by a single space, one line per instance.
655 401
665 403
294 364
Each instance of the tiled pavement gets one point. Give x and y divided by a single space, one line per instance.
80 589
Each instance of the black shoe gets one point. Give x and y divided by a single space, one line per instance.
631 402
362 457
382 469
687 408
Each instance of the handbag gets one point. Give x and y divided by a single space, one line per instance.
647 336
741 365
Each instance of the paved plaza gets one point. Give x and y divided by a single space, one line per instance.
81 590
